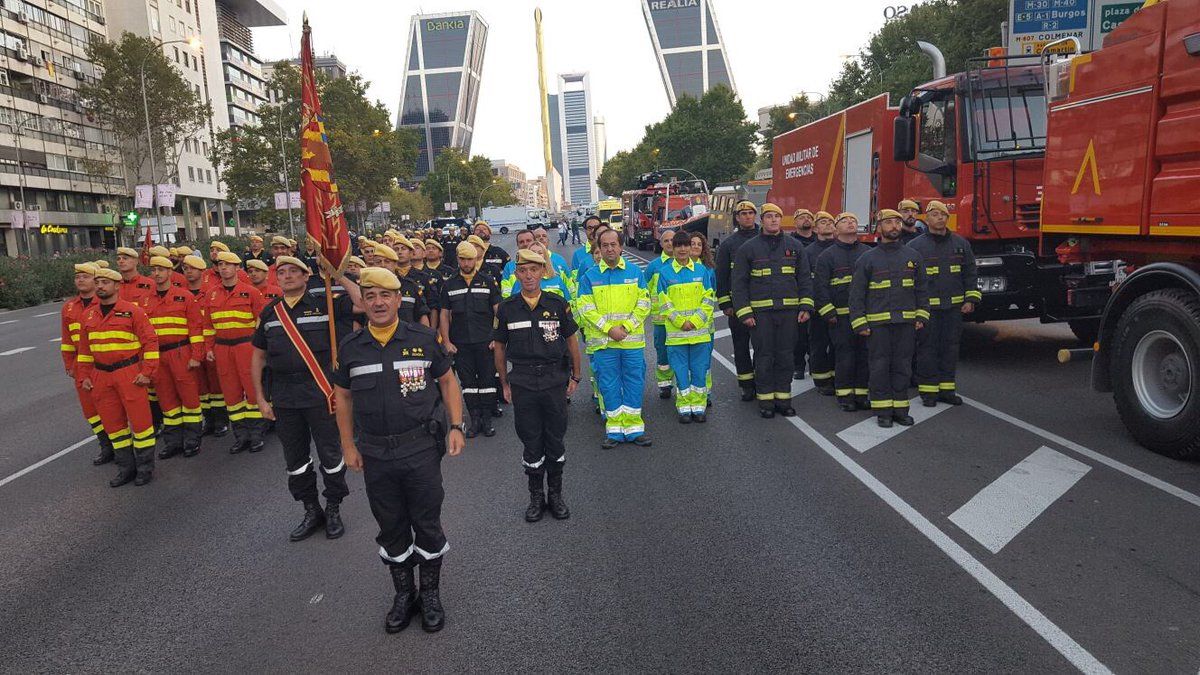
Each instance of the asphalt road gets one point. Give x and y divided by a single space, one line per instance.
1024 531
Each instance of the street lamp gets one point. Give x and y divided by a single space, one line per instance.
496 182
16 130
449 191
194 43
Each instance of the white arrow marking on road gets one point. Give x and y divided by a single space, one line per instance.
1000 511
45 314
1048 630
868 434
18 350
51 458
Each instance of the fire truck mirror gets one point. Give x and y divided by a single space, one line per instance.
904 139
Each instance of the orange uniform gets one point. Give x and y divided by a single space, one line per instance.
136 288
114 348
270 291
177 322
211 279
211 402
72 318
230 322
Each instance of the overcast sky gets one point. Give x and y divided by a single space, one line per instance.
776 49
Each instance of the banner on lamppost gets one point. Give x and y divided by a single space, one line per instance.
284 200
32 220
166 195
143 196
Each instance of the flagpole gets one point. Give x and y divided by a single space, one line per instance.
333 345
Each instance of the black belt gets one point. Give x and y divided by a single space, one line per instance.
230 342
427 430
111 367
539 368
173 345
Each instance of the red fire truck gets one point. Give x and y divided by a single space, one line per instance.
658 203
1122 182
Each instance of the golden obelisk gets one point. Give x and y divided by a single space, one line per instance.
551 177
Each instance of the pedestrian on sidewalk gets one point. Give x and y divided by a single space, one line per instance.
562 233
536 333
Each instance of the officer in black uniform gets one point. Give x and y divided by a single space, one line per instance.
911 225
772 296
950 272
744 215
831 295
535 331
300 400
405 269
888 304
414 308
493 256
803 220
820 347
394 386
468 304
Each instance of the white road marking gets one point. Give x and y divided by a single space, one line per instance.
801 386
8 322
316 598
724 332
1017 604
1000 511
1111 463
51 458
18 350
868 434
46 314
57 339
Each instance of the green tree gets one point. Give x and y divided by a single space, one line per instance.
414 203
115 99
709 137
369 156
796 113
891 62
467 182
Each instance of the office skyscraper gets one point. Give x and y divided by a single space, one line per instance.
440 89
578 138
688 45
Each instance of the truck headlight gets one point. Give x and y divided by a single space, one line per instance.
992 284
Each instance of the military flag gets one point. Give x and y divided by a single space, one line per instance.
324 219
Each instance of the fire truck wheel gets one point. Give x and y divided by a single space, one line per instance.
1085 330
1156 372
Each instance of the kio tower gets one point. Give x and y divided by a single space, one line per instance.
440 89
688 46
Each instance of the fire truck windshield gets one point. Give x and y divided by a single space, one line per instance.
1004 122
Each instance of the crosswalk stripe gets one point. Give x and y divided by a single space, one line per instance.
1000 511
868 434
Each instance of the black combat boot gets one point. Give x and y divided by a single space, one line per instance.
106 450
558 508
748 393
144 461
220 422
404 605
537 500
486 427
929 400
473 424
949 397
191 447
497 411
334 527
433 617
127 470
170 451
314 519
903 419
884 421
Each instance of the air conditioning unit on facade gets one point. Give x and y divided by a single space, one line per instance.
23 54
22 17
4 78
38 61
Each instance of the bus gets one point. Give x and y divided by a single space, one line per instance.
726 196
609 211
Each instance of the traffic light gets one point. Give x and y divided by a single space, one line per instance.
130 219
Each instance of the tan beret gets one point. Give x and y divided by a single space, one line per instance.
435 244
908 204
802 212
474 239
404 241
183 250
195 261
484 224
935 205
255 237
824 214
745 205
526 256
101 264
110 274
355 260
126 251
771 208
466 250
377 277
846 214
887 213
289 260
281 241
227 257
258 265
385 251
86 268
161 261
162 251
219 245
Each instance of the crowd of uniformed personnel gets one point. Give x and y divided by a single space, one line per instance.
204 346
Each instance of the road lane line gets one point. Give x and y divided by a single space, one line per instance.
868 434
46 314
37 465
18 350
1018 605
57 339
724 332
8 322
1000 511
1111 463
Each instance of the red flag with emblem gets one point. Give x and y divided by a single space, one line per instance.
147 244
324 220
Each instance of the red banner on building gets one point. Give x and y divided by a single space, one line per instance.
324 219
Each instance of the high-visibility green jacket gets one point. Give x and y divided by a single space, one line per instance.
610 297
